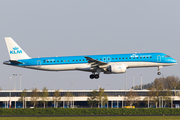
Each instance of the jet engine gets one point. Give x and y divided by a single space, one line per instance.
115 69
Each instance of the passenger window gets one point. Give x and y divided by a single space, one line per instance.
100 59
122 58
44 61
147 57
112 58
104 59
116 58
51 61
137 57
61 61
68 60
64 60
79 60
126 58
108 58
143 57
119 58
151 57
58 61
76 60
47 61
140 57
73 60
83 59
130 58
54 61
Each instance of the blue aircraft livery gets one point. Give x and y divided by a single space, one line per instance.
96 64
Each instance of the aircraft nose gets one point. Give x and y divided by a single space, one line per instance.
174 61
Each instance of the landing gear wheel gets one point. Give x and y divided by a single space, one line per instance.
92 76
159 73
96 76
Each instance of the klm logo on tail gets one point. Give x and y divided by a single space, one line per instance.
16 51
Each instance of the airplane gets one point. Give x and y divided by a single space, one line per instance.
107 63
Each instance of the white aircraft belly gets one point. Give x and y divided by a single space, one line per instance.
63 67
145 64
142 64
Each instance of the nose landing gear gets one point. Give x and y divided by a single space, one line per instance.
159 73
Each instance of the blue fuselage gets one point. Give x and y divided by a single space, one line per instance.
131 60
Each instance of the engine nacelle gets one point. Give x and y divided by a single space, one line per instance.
116 68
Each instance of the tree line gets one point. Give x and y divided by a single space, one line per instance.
96 98
160 89
165 83
35 97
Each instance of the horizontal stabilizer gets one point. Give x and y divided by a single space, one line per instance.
16 62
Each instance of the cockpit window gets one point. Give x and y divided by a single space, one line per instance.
167 56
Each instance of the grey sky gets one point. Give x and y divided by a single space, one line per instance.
76 27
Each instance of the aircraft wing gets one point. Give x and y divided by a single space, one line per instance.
95 63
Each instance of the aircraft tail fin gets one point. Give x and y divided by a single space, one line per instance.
15 52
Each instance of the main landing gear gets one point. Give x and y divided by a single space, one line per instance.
96 76
92 76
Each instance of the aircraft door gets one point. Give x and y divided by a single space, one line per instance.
158 58
38 63
106 59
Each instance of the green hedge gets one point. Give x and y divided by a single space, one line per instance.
89 111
